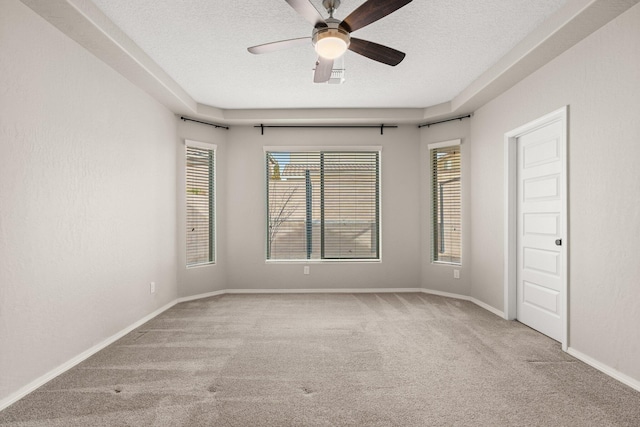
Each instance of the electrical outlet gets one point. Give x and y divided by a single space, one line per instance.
306 269
456 274
152 287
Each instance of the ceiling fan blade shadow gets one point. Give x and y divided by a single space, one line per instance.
323 70
308 12
369 12
280 45
376 51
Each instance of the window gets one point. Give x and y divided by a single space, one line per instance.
446 201
200 195
323 205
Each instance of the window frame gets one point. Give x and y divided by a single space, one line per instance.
212 203
433 206
324 149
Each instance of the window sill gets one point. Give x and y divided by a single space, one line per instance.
208 264
444 263
323 261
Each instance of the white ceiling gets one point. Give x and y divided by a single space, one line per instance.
202 45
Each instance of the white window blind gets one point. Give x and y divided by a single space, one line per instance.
323 205
200 194
446 203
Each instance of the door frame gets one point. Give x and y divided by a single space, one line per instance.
510 215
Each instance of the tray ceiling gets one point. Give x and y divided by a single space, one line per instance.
202 45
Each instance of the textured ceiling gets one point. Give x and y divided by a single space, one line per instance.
202 45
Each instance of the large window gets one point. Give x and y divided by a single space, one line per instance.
446 193
200 192
323 205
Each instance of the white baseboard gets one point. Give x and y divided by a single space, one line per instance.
465 298
614 373
324 291
487 307
39 382
201 296
444 294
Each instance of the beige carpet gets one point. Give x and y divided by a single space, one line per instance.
329 360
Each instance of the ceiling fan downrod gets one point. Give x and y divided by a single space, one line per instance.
331 6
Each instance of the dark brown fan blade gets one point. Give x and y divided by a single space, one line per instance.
323 70
370 11
308 12
376 51
281 45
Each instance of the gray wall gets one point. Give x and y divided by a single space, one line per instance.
599 80
400 266
87 200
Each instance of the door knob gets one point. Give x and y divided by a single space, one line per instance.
558 242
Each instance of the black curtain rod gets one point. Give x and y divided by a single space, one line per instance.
205 123
382 127
444 121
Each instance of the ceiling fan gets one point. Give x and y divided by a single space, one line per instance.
331 37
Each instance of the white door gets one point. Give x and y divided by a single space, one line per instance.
540 204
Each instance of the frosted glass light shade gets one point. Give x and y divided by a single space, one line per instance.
331 43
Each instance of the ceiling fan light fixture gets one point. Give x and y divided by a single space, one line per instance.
331 43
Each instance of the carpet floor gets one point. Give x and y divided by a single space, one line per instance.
404 359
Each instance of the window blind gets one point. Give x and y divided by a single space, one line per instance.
323 205
447 208
200 194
